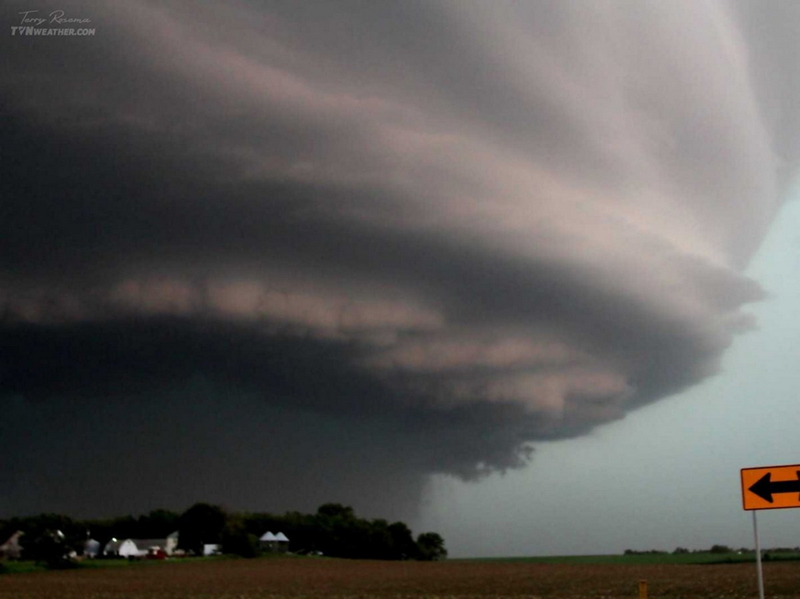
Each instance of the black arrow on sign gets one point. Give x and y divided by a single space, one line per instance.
764 487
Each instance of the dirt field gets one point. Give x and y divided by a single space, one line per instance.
244 579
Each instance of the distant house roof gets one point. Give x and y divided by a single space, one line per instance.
11 548
113 545
13 539
281 537
268 536
145 544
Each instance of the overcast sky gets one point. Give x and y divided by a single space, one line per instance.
274 254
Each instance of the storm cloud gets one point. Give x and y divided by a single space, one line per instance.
277 254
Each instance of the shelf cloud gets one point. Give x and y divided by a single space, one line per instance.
276 254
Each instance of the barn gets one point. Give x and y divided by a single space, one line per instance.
141 547
122 548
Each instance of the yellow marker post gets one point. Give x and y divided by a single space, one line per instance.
642 589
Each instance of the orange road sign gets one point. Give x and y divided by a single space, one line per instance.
771 487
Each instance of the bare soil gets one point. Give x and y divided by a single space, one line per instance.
278 578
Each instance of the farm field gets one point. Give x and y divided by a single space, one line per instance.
278 578
654 558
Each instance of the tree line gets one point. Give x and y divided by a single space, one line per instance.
334 530
714 549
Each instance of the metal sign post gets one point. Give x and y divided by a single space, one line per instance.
758 558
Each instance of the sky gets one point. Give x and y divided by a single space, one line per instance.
518 272
668 475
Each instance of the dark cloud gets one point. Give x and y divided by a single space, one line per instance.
276 255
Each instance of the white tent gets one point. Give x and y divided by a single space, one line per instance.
268 537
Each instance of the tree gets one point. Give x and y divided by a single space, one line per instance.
237 541
334 529
49 547
336 510
200 524
50 539
431 546
157 524
403 545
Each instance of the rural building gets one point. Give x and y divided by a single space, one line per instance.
141 547
121 548
281 542
274 542
91 548
267 541
172 543
11 549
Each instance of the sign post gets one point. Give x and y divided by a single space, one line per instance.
758 558
769 488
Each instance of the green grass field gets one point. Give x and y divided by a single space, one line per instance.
649 558
21 567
